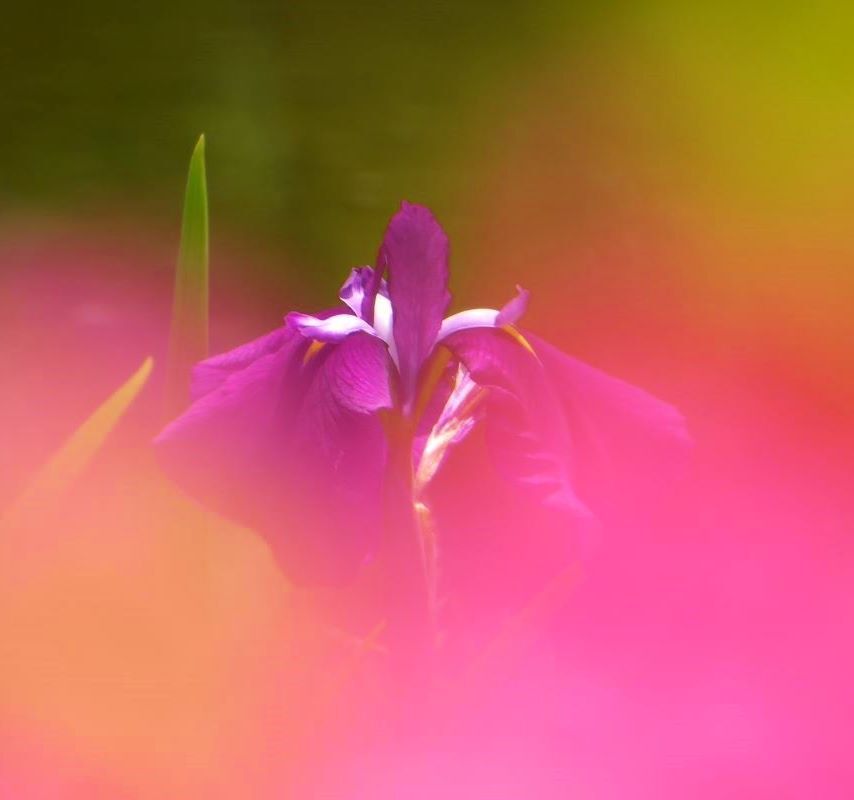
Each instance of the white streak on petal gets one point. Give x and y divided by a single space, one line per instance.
510 313
384 323
331 329
473 318
353 290
458 417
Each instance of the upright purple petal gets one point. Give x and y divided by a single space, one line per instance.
293 450
415 253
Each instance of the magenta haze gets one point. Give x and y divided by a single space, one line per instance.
285 434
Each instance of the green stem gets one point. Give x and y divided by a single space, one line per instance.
407 594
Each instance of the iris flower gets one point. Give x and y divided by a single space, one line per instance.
293 434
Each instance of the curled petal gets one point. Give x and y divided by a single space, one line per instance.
292 450
353 293
513 310
463 320
415 253
373 287
510 313
332 329
358 286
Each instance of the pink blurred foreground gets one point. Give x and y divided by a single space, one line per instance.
704 648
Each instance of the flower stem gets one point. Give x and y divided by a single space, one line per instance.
406 586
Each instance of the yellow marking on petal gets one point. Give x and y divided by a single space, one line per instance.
70 460
517 335
474 401
314 348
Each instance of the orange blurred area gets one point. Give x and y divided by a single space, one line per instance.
149 649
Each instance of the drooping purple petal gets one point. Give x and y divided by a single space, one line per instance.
505 498
415 253
207 375
211 372
510 313
620 443
628 443
356 378
332 329
293 450
524 420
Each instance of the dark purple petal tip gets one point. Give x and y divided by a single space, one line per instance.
415 252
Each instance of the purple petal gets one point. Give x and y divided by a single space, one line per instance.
332 329
629 444
525 423
358 286
353 293
209 374
355 378
293 450
374 286
415 252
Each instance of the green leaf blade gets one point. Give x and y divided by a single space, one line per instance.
188 338
73 456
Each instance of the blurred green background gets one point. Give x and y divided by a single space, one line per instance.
322 115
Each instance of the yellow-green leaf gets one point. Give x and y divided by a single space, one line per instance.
70 460
188 337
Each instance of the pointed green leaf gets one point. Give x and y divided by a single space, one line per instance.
188 338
